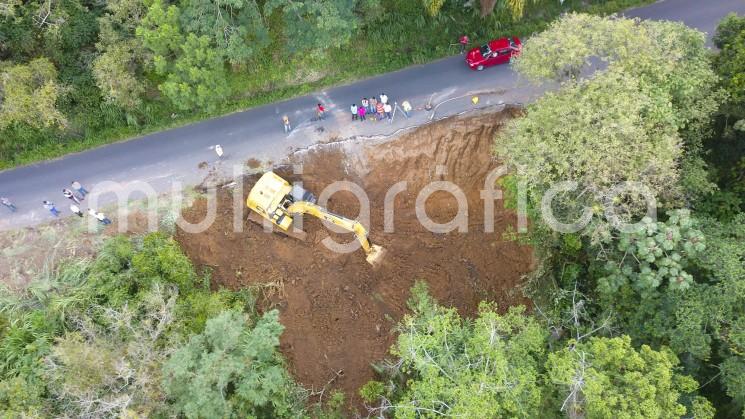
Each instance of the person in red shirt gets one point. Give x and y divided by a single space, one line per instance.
321 112
463 43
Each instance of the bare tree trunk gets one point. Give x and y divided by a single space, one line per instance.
487 7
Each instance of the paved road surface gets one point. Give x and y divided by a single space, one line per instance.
173 156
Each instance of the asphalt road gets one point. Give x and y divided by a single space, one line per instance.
172 157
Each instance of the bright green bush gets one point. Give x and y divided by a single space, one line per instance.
604 378
20 398
161 258
194 309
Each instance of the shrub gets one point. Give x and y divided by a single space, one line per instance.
231 370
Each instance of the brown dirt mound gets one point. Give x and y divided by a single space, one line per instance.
253 163
338 312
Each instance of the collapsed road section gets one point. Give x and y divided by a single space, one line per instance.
339 313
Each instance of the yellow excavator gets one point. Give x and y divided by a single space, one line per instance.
274 199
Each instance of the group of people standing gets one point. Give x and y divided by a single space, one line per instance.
376 108
76 195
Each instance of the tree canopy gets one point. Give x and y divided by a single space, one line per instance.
606 377
614 132
135 333
635 121
503 365
312 26
29 94
673 282
235 28
487 367
231 370
730 62
673 64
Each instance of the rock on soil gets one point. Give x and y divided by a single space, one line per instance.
339 313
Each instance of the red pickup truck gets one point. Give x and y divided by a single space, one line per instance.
497 51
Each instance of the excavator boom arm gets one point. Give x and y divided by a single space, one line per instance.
303 207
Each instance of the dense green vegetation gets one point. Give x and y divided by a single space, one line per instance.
628 322
510 366
80 73
646 321
137 333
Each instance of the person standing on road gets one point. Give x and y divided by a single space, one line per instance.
384 98
365 104
76 210
373 105
51 208
6 202
380 110
463 41
76 186
353 108
219 151
71 196
286 123
321 112
361 111
406 107
388 111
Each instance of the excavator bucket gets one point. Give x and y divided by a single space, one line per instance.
376 255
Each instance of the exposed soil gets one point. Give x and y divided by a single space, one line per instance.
339 313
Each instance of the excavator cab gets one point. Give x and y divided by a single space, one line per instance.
269 199
274 199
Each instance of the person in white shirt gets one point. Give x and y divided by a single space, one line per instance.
388 111
353 109
71 196
406 106
76 210
384 98
99 216
218 151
